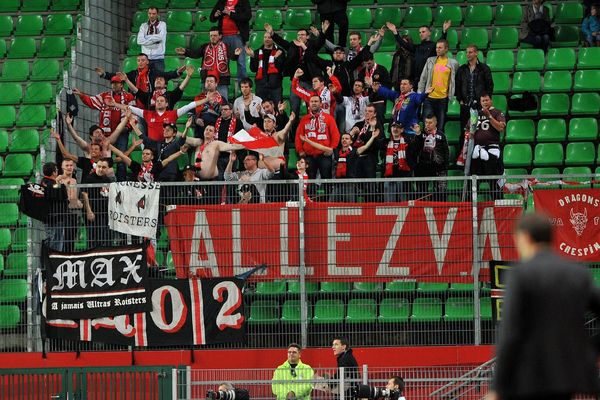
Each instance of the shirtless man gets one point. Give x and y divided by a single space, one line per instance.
269 124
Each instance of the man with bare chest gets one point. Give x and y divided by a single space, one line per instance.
207 152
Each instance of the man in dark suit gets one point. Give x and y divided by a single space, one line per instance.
543 348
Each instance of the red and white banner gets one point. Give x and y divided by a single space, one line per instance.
370 242
256 140
575 214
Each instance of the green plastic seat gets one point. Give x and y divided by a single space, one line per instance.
500 60
65 5
569 13
3 48
478 15
299 3
426 309
297 18
401 287
45 70
461 57
293 287
383 58
361 311
18 165
32 115
417 16
138 19
452 131
329 312
517 155
3 140
477 36
447 12
501 82
7 116
25 140
359 17
394 311
5 240
52 47
437 288
551 130
589 58
197 40
580 153
9 215
271 288
583 129
529 81
6 26
13 290
19 239
12 93
504 37
29 25
133 48
459 309
271 16
540 171
453 108
179 21
566 36
59 24
561 58
554 104
264 312
587 81
520 130
585 103
367 287
10 316
578 170
384 14
508 14
21 47
335 287
451 36
456 288
548 154
557 81
16 265
15 71
291 314
183 4
174 40
10 195
485 308
530 60
39 93
202 21
10 5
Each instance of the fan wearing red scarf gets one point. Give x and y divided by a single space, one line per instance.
268 64
400 159
325 93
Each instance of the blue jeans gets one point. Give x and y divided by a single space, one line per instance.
437 107
157 65
234 42
55 237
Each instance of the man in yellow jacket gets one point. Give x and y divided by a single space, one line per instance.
289 379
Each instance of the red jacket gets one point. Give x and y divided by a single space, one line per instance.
110 117
327 98
319 128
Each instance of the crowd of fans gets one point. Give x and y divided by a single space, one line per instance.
343 134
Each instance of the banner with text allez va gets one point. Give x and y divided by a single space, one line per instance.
425 241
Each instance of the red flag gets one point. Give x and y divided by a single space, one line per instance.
256 140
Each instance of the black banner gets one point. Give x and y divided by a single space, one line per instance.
102 282
499 271
184 312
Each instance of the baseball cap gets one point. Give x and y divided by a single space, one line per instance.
173 126
398 124
116 79
271 116
189 168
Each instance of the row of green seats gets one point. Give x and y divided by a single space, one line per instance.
13 290
26 47
35 93
364 311
553 81
15 266
20 71
536 60
39 5
29 115
549 154
17 165
33 25
549 130
20 141
15 240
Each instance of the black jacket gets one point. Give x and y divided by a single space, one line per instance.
483 82
544 348
330 6
431 162
272 80
309 64
421 52
241 17
347 360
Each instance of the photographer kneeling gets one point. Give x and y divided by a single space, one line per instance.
226 391
394 390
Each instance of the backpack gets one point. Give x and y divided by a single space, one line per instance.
32 201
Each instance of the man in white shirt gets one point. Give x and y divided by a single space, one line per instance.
152 36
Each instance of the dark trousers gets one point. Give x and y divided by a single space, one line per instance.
437 107
538 41
492 166
267 92
71 226
324 165
340 18
367 168
439 188
98 232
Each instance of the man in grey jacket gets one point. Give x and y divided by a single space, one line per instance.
439 74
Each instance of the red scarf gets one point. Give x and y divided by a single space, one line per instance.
398 105
369 72
145 174
198 155
152 27
271 69
359 141
396 155
215 60
231 129
316 120
143 83
342 165
304 177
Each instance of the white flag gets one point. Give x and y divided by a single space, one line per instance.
133 208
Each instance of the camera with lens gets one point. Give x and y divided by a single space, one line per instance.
373 393
232 394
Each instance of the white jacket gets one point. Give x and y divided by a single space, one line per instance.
153 45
